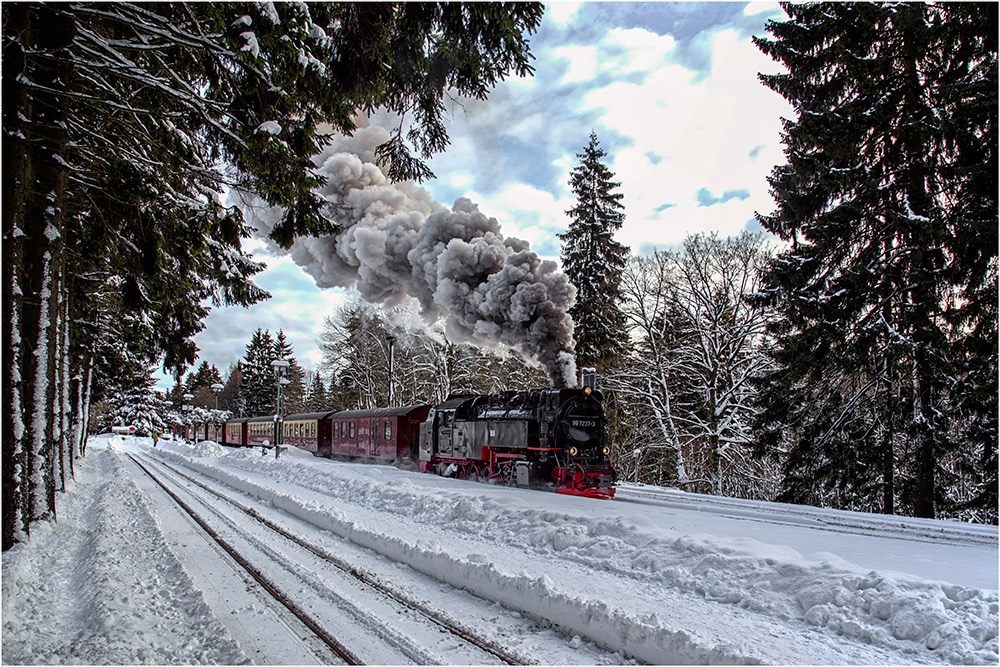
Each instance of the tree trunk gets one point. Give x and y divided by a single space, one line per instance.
888 473
85 408
41 221
16 173
37 364
65 460
924 503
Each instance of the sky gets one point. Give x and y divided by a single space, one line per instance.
672 93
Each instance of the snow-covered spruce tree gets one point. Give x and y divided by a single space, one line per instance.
258 387
231 396
135 402
203 378
316 398
594 261
199 385
887 350
142 101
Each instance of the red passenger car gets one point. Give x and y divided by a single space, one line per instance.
215 432
382 435
309 431
260 432
188 432
235 433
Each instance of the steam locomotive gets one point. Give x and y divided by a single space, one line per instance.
552 439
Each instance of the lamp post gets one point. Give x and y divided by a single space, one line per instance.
280 367
216 388
189 409
392 396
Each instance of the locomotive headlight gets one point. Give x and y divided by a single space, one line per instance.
606 450
572 451
588 390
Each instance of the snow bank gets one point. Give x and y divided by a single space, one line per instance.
133 611
446 533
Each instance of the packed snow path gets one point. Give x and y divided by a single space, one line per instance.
102 586
657 576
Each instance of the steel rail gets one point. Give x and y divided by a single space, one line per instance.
346 654
483 644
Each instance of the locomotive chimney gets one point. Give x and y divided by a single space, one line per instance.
588 378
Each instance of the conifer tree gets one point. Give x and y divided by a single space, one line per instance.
594 261
204 377
134 402
888 203
294 393
258 387
231 396
316 395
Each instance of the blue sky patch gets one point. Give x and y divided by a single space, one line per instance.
706 198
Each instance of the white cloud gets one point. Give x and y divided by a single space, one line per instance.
689 134
621 52
582 63
561 13
755 8
624 51
460 179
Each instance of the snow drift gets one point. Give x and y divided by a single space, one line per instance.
658 598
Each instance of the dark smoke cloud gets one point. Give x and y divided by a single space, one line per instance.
398 243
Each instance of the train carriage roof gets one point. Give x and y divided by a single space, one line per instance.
268 418
377 412
308 416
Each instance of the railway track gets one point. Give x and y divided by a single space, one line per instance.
829 520
326 591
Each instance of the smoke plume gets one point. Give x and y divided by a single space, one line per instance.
397 243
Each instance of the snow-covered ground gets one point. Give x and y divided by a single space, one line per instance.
655 576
